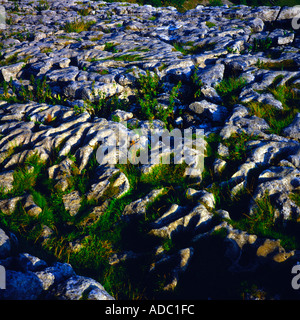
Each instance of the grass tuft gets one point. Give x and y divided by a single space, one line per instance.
278 119
77 26
230 88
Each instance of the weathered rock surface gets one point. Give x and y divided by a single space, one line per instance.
203 48
293 129
6 180
139 206
4 244
72 202
30 278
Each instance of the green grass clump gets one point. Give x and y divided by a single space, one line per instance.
237 146
295 196
148 89
230 88
210 24
238 152
127 57
39 91
42 5
26 175
262 220
165 176
260 45
103 106
189 48
110 47
285 65
103 72
278 119
85 11
197 84
215 3
78 26
10 60
262 223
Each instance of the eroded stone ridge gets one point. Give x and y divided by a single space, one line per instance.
239 73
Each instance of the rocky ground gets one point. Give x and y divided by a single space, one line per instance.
70 72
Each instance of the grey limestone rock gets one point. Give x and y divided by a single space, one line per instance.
6 180
96 73
279 183
257 25
5 245
54 275
72 202
79 287
139 206
288 13
10 72
176 220
21 286
211 75
63 75
293 130
30 206
30 278
31 263
8 206
213 112
177 262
